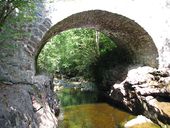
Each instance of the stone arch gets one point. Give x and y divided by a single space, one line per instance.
125 32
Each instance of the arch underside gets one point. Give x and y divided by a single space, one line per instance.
126 33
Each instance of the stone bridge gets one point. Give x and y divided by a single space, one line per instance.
140 27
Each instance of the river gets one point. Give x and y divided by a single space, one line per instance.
86 109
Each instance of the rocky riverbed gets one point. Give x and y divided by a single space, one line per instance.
144 91
75 83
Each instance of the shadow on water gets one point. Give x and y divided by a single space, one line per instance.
88 109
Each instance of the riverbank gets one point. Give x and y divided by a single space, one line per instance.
145 91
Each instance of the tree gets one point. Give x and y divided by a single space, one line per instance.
13 14
97 43
73 52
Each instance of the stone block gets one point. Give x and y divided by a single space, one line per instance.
34 39
43 28
47 23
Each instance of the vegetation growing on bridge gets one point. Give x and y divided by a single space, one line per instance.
74 52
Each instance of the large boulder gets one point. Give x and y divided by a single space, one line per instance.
145 91
31 105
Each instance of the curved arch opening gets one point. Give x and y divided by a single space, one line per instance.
85 53
128 35
135 45
82 47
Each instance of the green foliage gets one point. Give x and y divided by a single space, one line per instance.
13 15
73 52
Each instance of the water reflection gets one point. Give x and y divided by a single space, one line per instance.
81 110
71 96
93 116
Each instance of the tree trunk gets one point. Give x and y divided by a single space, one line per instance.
97 44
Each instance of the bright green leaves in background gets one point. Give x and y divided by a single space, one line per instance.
73 52
13 15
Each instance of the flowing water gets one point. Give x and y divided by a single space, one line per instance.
85 109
